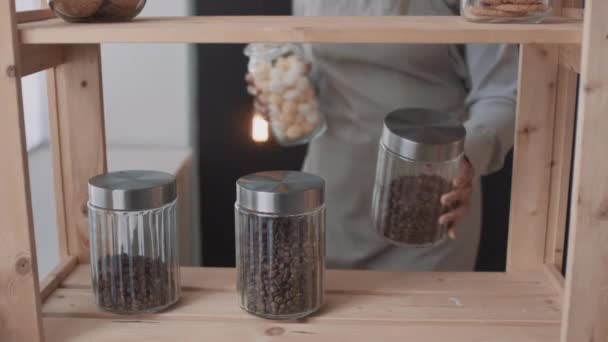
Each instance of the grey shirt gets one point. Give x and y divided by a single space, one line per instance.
359 84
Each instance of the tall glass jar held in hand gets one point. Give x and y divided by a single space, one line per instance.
417 188
279 79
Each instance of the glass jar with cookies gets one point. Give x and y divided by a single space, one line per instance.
505 11
279 79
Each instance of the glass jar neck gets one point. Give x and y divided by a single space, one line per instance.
398 156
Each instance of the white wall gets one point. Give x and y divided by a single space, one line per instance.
147 88
148 107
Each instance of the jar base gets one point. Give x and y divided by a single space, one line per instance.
410 245
282 317
302 141
157 309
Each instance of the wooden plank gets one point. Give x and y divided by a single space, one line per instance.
20 318
184 207
555 278
586 297
34 15
363 308
533 157
135 330
574 13
561 166
365 282
570 57
227 29
77 141
36 58
52 281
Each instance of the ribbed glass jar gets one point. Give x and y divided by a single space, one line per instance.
97 10
419 157
280 256
134 249
505 11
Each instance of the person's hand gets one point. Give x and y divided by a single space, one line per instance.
459 199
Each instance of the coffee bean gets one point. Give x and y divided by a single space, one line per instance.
413 209
280 265
133 284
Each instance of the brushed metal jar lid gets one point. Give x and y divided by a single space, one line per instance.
280 192
132 190
423 135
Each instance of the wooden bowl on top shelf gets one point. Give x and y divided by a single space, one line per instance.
97 10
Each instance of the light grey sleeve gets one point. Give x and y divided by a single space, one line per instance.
491 104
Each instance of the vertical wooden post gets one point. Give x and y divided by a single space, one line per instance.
562 153
586 297
77 141
19 289
533 157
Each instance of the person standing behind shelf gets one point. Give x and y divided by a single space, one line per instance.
360 83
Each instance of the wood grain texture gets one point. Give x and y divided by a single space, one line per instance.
136 330
226 29
52 281
19 297
367 297
555 278
365 282
360 306
570 57
586 297
563 136
34 15
533 155
36 58
77 142
184 207
343 306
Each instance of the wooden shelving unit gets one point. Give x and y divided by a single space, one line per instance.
530 302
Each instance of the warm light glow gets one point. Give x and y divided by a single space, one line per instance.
259 129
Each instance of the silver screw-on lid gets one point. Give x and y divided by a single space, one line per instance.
132 190
280 192
423 135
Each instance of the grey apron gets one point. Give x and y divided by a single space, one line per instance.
359 84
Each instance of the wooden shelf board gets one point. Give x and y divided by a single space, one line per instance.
242 29
123 329
393 306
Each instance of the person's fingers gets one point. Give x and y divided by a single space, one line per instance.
466 174
452 233
454 198
454 216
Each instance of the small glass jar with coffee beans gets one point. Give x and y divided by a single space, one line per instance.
419 157
134 243
280 244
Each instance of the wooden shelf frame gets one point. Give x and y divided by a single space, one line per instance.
530 302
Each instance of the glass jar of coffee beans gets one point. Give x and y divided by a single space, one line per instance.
280 244
419 157
134 243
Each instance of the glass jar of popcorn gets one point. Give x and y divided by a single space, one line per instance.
504 11
279 79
